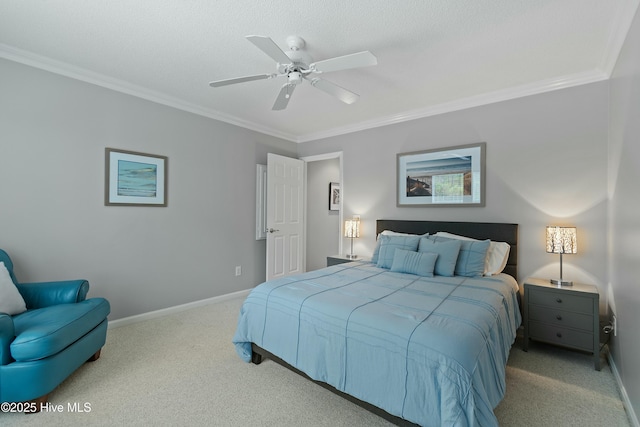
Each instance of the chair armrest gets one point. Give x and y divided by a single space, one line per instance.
7 335
45 294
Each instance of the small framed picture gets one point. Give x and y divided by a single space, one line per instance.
451 176
334 196
134 179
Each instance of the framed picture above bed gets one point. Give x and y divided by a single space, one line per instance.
444 177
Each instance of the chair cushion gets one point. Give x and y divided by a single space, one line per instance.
46 331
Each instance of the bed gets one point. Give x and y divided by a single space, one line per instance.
412 347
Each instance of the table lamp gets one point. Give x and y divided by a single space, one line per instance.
352 230
561 240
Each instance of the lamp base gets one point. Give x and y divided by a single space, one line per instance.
351 256
561 282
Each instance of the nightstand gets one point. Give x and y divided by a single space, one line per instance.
341 259
566 316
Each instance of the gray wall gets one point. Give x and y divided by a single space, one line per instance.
323 225
53 222
624 179
546 164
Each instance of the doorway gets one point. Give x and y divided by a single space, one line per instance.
323 225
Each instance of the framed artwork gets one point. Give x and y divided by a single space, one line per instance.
134 179
453 176
334 196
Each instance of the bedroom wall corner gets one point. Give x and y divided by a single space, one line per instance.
623 226
323 225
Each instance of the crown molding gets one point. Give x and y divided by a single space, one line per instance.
618 35
77 73
465 103
67 70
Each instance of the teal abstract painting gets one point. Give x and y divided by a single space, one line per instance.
137 179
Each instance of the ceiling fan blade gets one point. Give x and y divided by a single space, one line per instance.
354 60
341 93
226 82
284 96
269 47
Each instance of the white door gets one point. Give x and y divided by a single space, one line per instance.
285 216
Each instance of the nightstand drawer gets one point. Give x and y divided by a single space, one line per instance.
561 318
561 336
564 301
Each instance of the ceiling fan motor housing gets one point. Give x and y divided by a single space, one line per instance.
296 53
295 77
299 58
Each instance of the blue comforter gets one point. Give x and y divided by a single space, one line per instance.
430 350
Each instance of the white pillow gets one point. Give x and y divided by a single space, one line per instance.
11 302
497 255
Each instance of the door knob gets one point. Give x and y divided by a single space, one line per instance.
272 230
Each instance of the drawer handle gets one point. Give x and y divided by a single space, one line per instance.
558 317
559 300
559 335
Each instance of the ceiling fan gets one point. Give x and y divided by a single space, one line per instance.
297 65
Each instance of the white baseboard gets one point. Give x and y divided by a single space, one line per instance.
175 309
633 418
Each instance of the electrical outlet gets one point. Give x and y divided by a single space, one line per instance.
238 270
615 326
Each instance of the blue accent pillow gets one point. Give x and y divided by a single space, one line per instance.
447 252
389 244
472 256
419 263
376 251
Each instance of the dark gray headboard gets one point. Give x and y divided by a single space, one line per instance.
498 232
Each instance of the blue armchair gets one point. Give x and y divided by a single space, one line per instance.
59 331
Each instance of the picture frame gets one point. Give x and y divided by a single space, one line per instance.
442 177
135 179
334 196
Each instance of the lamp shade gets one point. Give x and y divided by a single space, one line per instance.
562 240
352 228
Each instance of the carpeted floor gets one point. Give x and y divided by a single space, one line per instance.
182 369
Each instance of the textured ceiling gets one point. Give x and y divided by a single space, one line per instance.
433 56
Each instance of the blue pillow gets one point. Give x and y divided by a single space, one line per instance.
447 254
389 244
376 251
421 264
472 256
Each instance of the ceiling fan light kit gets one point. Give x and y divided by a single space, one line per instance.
296 64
